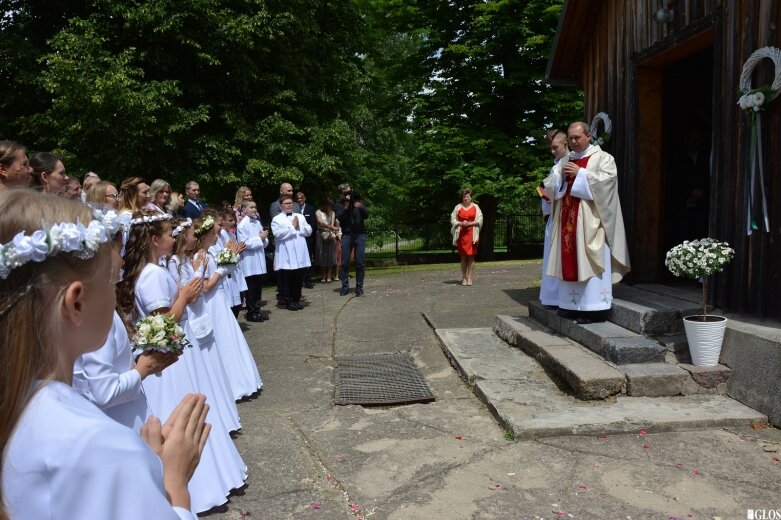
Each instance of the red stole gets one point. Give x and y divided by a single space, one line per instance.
569 219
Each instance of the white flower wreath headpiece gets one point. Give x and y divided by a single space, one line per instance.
64 237
148 219
205 226
182 226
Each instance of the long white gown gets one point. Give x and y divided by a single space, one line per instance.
241 367
549 287
595 294
221 468
106 377
66 459
222 398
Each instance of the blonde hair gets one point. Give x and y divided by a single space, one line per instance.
97 194
128 192
240 195
29 297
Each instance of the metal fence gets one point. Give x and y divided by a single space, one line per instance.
510 232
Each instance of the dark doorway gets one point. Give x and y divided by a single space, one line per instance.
687 99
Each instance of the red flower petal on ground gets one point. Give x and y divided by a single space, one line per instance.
643 432
495 486
776 459
603 437
582 487
646 446
316 505
696 472
355 507
459 437
679 465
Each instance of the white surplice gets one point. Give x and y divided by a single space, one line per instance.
67 459
253 259
291 249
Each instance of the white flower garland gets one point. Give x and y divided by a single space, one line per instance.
205 226
181 227
148 219
64 237
597 138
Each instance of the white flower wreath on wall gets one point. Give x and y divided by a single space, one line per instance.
753 101
598 138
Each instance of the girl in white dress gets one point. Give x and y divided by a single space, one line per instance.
236 356
61 456
199 324
147 288
235 284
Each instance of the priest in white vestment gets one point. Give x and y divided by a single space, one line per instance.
588 250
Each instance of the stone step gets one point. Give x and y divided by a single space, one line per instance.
649 313
613 342
517 390
587 374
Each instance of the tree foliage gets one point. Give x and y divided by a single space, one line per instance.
408 99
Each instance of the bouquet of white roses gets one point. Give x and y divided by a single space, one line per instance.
698 259
226 258
159 332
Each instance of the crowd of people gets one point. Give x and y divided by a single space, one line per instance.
80 269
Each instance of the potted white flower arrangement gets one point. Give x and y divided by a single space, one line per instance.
159 332
699 259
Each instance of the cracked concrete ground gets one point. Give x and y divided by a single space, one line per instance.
449 459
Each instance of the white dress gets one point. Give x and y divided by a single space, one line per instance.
549 287
66 459
221 468
222 398
235 283
236 356
106 377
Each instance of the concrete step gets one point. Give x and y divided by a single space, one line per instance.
649 313
587 374
613 342
517 390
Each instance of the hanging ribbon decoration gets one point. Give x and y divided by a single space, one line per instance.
753 101
597 138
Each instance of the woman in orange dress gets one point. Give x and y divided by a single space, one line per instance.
465 223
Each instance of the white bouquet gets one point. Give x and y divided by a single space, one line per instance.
226 258
159 332
698 259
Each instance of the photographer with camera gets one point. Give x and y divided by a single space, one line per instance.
351 214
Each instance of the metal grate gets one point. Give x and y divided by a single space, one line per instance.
376 379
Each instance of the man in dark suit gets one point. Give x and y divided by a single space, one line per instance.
309 214
193 207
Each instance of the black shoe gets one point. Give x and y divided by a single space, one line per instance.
255 318
359 291
344 291
567 315
309 285
291 306
298 305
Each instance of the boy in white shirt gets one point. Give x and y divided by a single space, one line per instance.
253 259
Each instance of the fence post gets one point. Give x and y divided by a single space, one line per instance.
396 240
